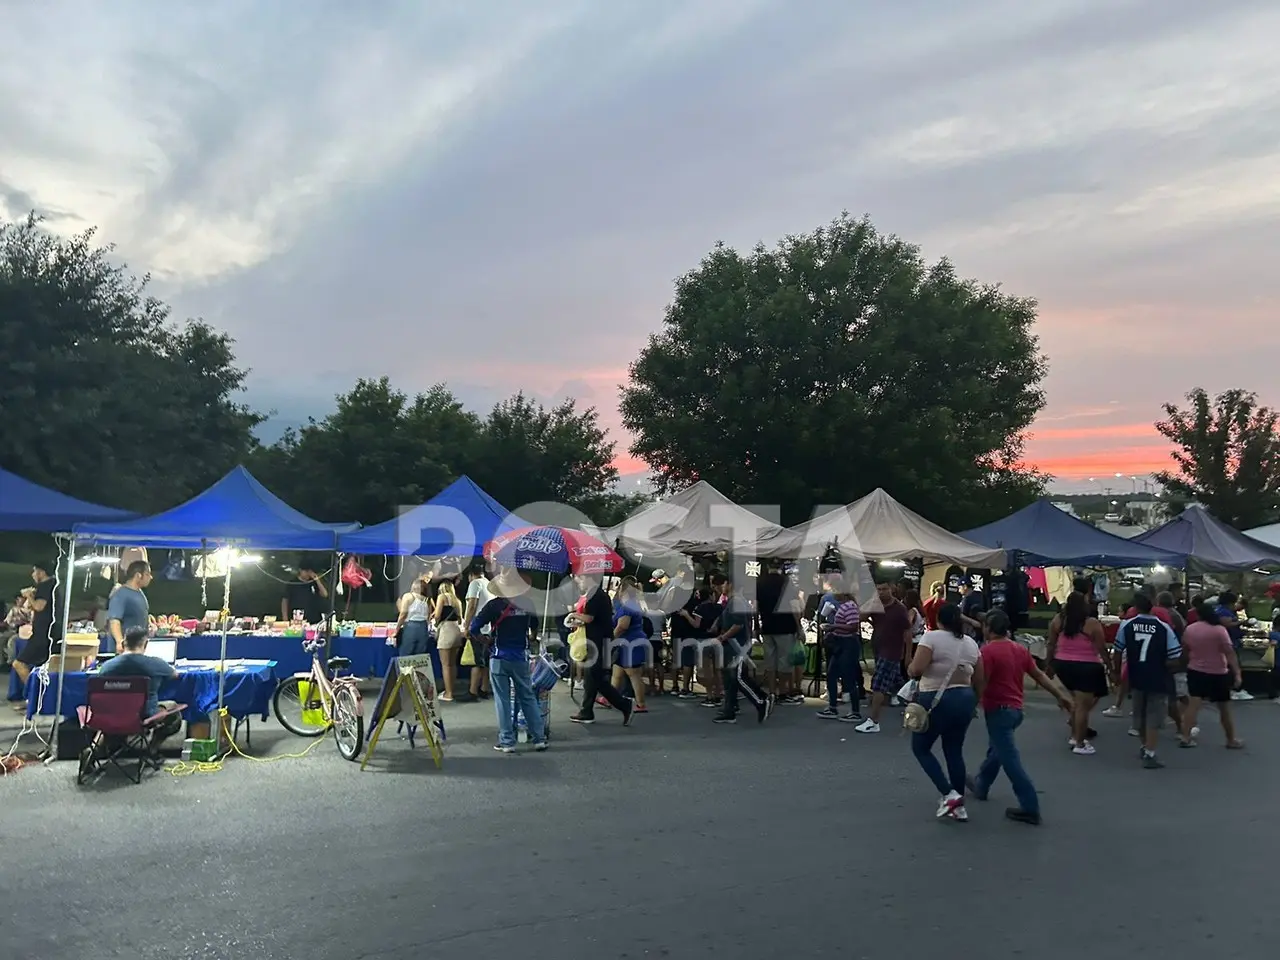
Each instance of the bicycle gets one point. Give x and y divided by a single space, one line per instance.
332 700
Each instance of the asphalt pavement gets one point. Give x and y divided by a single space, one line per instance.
674 838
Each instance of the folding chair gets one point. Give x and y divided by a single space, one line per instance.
120 736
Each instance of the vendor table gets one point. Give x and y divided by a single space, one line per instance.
369 656
247 692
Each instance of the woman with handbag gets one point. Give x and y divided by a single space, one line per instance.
948 666
449 638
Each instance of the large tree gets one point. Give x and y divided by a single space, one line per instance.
526 453
1227 449
837 362
101 396
382 449
379 450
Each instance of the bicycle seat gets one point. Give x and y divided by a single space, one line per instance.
337 663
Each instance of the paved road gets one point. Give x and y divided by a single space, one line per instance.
673 839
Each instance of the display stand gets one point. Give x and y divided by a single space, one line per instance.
411 676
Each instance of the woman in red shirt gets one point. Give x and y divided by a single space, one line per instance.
1004 664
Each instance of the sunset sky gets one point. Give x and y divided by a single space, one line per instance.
500 195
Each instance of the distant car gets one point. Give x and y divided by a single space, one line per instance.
1132 575
1112 518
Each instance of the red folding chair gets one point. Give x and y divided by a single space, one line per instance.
119 735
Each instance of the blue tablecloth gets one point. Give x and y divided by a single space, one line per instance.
247 694
369 657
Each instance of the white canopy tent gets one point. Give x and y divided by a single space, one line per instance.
876 528
698 519
1270 534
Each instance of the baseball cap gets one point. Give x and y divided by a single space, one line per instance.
657 575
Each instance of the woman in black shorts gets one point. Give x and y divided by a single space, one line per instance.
1076 652
1213 671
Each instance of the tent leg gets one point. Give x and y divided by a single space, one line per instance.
333 601
217 726
62 646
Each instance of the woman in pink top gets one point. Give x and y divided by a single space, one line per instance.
1075 653
1213 671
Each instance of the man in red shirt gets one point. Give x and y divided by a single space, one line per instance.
1004 664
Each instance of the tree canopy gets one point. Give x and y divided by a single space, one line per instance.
382 449
103 397
1227 450
839 361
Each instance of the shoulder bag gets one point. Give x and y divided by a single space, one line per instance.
915 718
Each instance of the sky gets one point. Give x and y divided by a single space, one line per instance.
500 195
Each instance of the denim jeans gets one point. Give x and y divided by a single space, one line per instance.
1003 754
949 722
844 666
505 675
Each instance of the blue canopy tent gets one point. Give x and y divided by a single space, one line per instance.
456 522
1042 535
1209 544
237 512
25 506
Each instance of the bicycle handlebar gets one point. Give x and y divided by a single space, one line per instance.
313 646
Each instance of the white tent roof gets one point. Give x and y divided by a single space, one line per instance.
1270 534
699 519
878 527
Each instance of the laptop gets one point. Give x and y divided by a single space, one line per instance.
166 650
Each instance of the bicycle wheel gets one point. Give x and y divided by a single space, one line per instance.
287 705
348 724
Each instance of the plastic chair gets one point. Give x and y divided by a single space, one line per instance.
121 736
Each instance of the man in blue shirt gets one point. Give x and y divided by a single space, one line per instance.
134 662
1151 650
511 618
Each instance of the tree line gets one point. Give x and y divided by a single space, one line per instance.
801 375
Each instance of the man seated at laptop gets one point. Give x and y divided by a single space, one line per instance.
135 662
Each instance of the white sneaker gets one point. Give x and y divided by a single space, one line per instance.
1195 732
1071 742
948 804
960 813
868 726
895 702
1085 749
1134 732
1241 695
1114 712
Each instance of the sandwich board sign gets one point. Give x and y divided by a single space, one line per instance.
409 687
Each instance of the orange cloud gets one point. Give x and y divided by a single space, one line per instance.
1137 460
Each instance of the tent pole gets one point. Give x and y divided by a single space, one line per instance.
222 654
62 647
333 601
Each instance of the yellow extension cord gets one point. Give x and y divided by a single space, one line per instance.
185 768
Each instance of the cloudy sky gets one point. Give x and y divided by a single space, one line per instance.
500 193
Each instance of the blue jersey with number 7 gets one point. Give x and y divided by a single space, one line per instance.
1148 644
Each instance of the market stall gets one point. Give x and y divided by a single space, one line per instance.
1212 546
877 528
456 522
1043 536
236 514
1209 545
697 520
25 506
